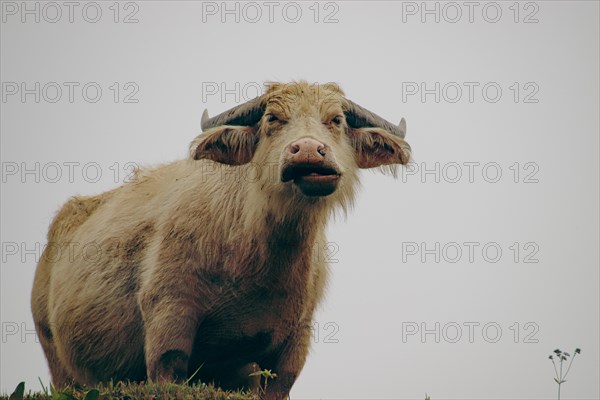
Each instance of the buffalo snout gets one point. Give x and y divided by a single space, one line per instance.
310 165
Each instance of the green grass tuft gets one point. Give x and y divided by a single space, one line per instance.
132 391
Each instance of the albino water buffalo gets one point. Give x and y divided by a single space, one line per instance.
208 264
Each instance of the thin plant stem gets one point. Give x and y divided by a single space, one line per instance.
266 383
560 379
555 370
570 363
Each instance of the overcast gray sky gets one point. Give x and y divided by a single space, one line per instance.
457 279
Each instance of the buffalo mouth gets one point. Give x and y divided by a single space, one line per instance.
312 179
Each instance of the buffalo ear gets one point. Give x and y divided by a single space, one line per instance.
227 144
376 147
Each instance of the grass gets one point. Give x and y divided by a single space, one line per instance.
132 391
201 391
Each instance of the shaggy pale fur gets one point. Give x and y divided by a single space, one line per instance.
207 263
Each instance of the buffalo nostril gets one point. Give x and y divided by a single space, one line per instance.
307 147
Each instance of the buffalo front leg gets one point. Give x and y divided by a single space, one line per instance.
288 364
170 324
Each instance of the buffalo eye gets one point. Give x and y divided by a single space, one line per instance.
337 120
272 118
